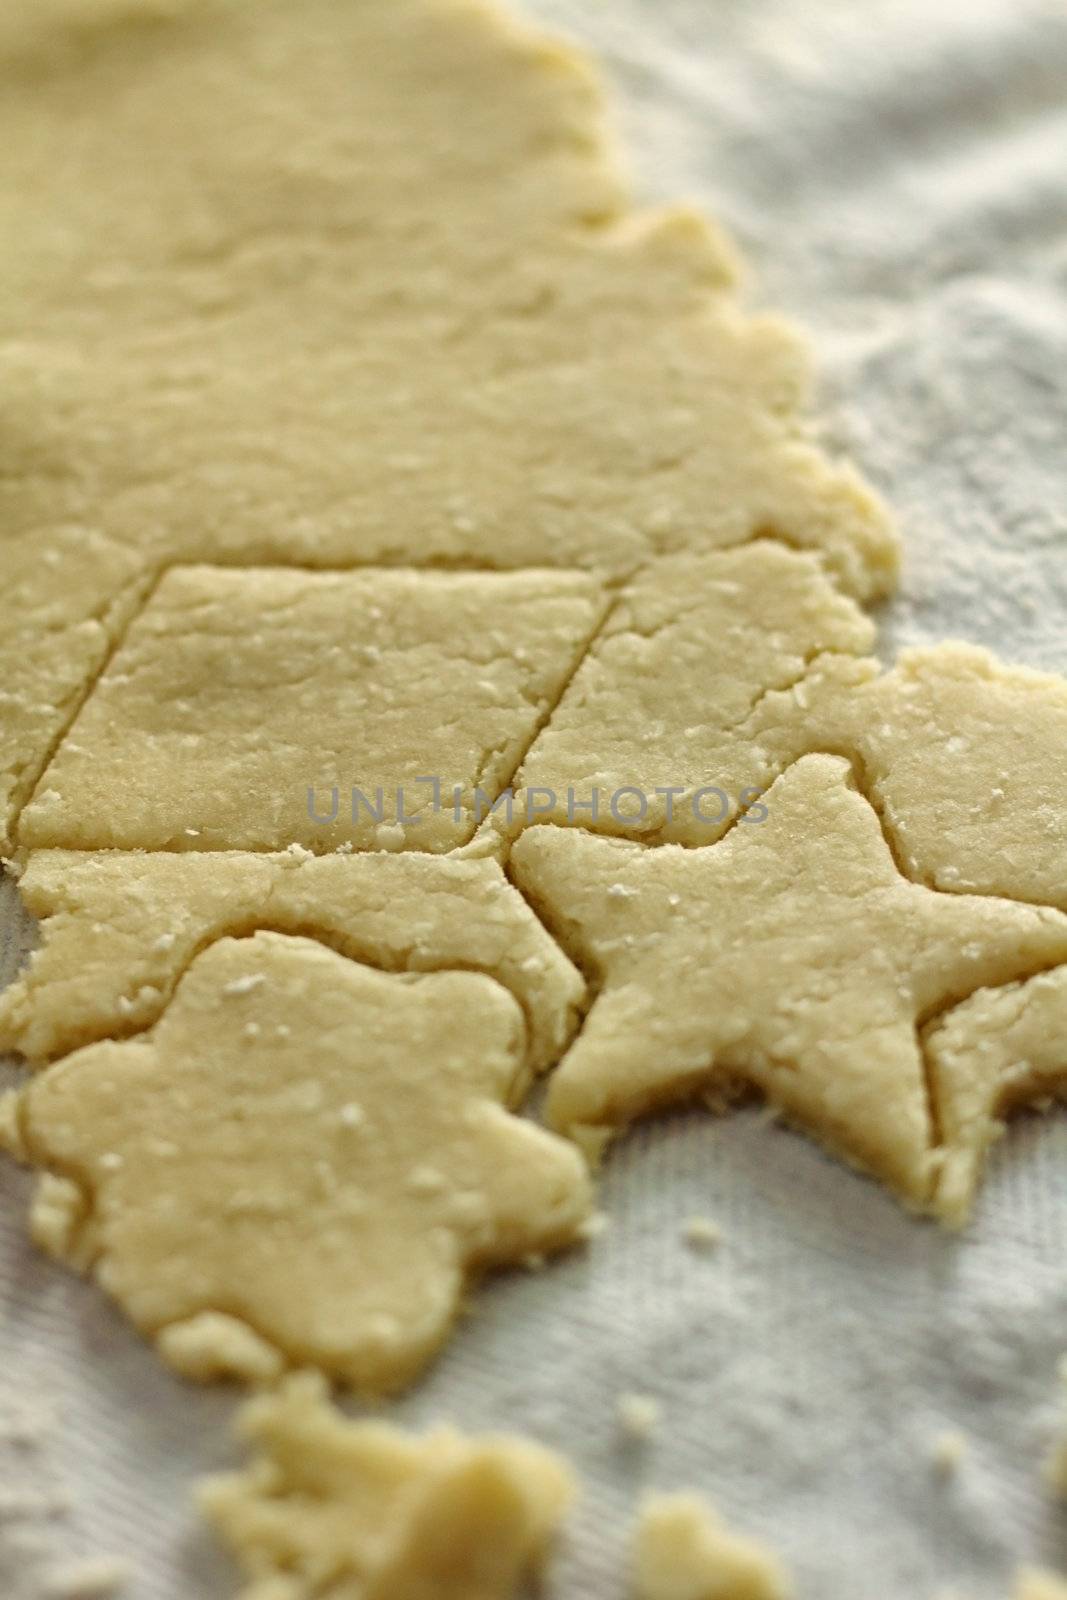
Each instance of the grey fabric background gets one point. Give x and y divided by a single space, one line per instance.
895 174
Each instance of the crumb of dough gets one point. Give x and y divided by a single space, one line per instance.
948 1452
94 1578
1032 1583
103 918
595 1225
701 1233
379 1512
213 1345
638 1416
219 1177
799 962
684 1551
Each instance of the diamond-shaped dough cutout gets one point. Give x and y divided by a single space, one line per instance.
244 708
791 957
658 711
310 1149
366 1510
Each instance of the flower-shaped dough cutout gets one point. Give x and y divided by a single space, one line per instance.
792 956
365 1511
310 1150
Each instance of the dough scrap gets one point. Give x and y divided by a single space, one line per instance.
119 930
965 758
369 1512
684 1551
384 302
315 1149
999 1050
792 957
664 697
234 694
1034 1584
1057 1463
726 669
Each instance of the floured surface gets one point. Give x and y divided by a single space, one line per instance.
803 1232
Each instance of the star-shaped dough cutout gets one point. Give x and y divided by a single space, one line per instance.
1000 1050
306 1156
791 957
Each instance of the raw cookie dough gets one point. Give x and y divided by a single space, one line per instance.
685 1552
792 956
383 302
234 694
314 1151
663 699
723 670
364 1511
1057 1463
1000 1050
964 756
1033 1584
119 930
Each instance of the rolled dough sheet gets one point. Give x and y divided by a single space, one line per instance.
203 384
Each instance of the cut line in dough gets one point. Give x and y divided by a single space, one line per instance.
409 319
278 707
118 930
791 957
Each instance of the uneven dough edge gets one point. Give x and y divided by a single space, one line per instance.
680 259
395 1516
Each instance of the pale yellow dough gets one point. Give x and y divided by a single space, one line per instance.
364 1511
1056 1468
383 302
665 698
792 957
235 693
684 1551
118 931
1034 1584
999 1050
307 1151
